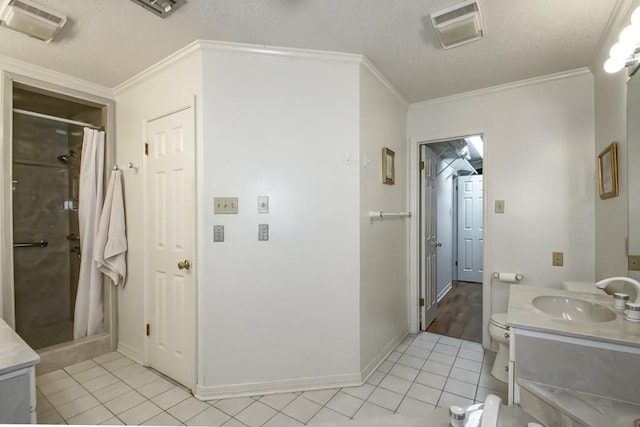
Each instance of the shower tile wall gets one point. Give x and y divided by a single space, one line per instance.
42 276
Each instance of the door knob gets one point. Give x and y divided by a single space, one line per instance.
439 244
184 265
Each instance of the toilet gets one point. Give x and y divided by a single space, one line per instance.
499 331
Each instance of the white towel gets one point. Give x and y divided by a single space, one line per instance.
111 241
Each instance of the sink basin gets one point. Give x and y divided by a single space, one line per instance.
574 309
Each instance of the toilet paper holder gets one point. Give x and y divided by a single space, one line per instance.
519 276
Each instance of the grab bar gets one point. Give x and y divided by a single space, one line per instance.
41 244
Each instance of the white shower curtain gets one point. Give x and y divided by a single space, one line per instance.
89 315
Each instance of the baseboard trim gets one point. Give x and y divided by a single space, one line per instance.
130 352
444 292
381 357
281 386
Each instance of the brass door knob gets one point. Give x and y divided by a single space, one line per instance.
438 244
184 265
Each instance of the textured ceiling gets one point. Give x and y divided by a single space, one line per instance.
109 41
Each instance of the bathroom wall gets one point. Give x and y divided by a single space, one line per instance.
539 145
610 100
383 243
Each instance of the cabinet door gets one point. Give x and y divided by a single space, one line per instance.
15 397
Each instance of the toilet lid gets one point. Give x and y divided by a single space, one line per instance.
499 319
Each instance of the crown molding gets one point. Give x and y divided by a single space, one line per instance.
368 65
619 13
507 86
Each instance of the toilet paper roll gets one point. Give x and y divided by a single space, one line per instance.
507 277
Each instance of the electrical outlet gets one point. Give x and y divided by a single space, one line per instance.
225 205
558 259
218 233
263 232
634 262
499 206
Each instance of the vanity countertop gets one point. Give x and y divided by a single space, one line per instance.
14 352
522 314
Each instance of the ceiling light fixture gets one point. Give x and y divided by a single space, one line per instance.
624 53
458 24
31 19
161 8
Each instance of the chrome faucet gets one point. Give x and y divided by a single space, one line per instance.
604 282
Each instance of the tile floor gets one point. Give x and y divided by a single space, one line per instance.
423 372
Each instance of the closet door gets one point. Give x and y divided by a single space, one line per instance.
170 290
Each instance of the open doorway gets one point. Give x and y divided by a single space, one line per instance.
451 236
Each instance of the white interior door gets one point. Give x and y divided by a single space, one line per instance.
170 246
470 228
428 243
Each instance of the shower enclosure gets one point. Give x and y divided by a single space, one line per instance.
45 164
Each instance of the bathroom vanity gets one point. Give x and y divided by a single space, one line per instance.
17 378
573 358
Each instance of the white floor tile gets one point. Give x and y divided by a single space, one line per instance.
473 346
79 367
363 392
96 415
321 397
154 388
470 365
125 402
428 336
108 357
431 379
111 392
188 408
404 372
369 410
233 406
345 404
67 395
326 415
42 404
163 419
395 384
278 401
50 377
436 368
115 364
100 382
446 349
448 399
77 406
422 353
470 354
489 381
375 377
141 379
129 371
412 361
139 414
171 397
234 423
209 417
301 409
482 392
256 414
385 366
460 388
49 417
413 407
401 347
445 359
424 393
455 342
465 376
57 386
89 374
282 420
394 356
385 398
115 421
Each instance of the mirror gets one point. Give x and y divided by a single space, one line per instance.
633 142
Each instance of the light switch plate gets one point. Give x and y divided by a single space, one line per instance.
225 205
634 262
558 259
263 232
499 206
218 233
263 204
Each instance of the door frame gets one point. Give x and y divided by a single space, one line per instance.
7 295
414 227
190 104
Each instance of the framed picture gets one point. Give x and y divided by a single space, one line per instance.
608 172
388 166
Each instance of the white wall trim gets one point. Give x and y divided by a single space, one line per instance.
383 80
620 11
381 357
503 87
445 291
281 386
46 75
130 352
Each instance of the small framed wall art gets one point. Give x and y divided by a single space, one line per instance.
608 172
388 166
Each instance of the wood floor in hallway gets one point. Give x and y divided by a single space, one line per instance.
460 313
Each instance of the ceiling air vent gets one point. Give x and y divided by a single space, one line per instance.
458 24
32 19
161 8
